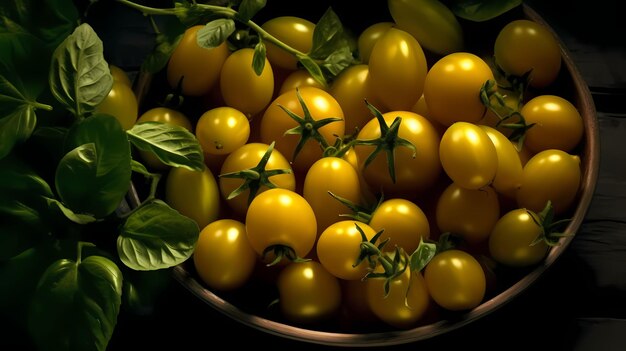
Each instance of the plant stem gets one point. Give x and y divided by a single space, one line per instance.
148 10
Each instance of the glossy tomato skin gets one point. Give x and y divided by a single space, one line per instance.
337 176
550 175
509 172
558 124
194 194
294 31
397 69
455 279
308 293
162 115
338 248
121 103
369 36
469 213
468 156
410 289
281 217
524 45
120 75
403 222
298 79
276 122
351 88
512 236
430 22
241 87
200 67
222 130
223 256
452 88
412 174
246 157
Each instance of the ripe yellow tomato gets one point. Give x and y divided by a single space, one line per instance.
241 87
397 69
403 222
294 31
121 103
298 79
194 194
222 130
223 256
338 248
198 67
509 171
512 236
452 88
119 75
369 36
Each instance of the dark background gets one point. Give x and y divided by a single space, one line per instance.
580 301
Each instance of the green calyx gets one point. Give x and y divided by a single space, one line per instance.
549 228
389 140
280 252
255 177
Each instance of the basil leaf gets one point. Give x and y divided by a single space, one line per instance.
313 68
15 127
173 145
156 236
93 177
22 207
482 10
422 255
76 304
215 33
248 8
79 76
74 217
258 60
165 43
338 61
142 289
328 35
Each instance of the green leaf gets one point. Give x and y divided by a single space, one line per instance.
338 61
422 255
142 289
215 33
165 43
313 68
76 305
79 76
22 207
482 10
248 8
93 177
173 145
74 217
258 60
155 237
327 31
15 127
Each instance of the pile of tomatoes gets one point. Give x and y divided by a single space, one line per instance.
329 195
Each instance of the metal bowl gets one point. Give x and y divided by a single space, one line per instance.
571 85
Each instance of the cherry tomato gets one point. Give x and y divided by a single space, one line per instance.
467 212
294 31
509 171
407 302
550 175
276 122
222 130
430 22
403 222
281 217
246 157
121 103
468 156
308 293
452 88
369 36
412 174
199 67
350 89
338 248
558 124
119 75
455 280
523 45
298 79
512 236
337 176
163 115
397 69
241 87
223 257
421 109
194 194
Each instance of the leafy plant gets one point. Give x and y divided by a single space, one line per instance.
70 248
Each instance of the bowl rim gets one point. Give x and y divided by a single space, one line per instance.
591 160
